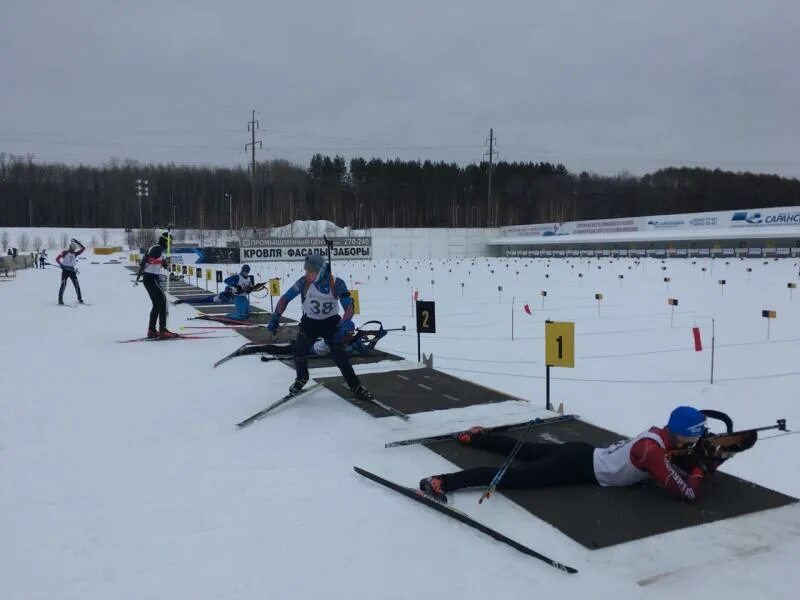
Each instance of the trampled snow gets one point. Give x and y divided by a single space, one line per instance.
122 474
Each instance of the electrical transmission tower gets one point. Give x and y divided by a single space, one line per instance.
252 125
491 154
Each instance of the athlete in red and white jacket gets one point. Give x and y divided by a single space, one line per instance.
68 261
624 463
150 273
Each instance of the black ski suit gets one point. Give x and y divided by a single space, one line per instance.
150 272
544 465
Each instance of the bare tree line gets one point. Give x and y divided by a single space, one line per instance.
364 193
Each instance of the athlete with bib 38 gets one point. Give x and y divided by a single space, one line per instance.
321 294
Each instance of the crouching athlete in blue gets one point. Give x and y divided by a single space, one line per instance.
319 292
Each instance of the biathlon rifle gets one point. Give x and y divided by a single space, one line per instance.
723 445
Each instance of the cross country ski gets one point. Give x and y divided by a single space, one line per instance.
456 514
263 413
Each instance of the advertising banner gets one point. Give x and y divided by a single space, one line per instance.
772 217
274 249
210 255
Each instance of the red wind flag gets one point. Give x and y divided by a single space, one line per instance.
698 345
416 296
527 309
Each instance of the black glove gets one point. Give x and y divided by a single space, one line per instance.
710 457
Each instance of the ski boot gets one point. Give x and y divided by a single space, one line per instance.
152 334
297 386
465 437
362 393
166 334
432 486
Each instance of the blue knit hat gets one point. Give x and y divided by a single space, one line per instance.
245 269
687 421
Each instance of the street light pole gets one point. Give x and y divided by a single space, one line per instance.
142 189
230 210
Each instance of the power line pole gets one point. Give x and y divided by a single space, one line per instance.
252 125
491 154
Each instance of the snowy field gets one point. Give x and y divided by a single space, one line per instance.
122 475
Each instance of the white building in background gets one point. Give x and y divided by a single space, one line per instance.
755 233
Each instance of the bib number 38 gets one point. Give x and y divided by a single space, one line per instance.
321 308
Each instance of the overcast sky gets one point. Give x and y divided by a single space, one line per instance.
603 86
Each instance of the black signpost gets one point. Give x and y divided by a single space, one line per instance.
426 322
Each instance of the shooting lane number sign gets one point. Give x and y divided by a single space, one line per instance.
559 344
426 322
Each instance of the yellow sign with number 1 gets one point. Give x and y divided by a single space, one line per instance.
356 303
559 344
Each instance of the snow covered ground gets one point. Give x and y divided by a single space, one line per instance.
122 475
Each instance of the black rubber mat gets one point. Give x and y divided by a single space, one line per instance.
416 390
597 517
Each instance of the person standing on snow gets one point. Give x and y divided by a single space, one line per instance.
68 260
42 258
624 463
319 292
150 273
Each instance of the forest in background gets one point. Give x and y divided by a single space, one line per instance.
363 193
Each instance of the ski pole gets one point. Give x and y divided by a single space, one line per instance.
504 467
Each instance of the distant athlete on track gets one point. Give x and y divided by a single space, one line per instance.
68 261
150 273
242 281
624 463
224 297
320 294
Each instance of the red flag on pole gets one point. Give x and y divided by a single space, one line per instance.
527 309
416 295
698 345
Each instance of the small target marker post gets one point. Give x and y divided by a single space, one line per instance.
666 284
559 350
208 277
599 298
543 294
218 277
722 283
500 294
791 285
768 315
673 302
620 277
